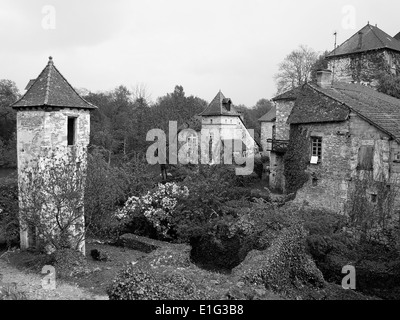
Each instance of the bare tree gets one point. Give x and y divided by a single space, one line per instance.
295 69
140 92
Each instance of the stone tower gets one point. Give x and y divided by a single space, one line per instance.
224 122
53 124
363 55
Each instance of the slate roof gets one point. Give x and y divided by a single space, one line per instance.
379 109
373 38
397 36
288 95
217 108
270 116
30 83
51 89
312 106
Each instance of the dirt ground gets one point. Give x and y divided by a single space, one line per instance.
16 271
31 285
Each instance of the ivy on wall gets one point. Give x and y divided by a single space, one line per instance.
371 206
360 72
296 159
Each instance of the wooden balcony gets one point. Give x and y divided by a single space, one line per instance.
277 146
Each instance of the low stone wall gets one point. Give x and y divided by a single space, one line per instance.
142 244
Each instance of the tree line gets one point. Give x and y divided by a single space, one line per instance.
122 120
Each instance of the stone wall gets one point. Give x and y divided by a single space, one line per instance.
361 68
276 177
283 110
331 182
266 133
228 128
42 141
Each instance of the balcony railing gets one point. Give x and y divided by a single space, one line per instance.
278 146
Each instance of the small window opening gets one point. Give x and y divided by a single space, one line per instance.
373 198
316 148
71 130
396 157
314 182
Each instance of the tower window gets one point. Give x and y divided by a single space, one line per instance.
71 128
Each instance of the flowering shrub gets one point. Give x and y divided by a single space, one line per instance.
157 206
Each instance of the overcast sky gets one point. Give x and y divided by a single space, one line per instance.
203 45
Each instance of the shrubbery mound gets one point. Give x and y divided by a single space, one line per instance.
159 276
137 283
283 265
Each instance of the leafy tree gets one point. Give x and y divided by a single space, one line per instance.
8 94
389 84
176 106
251 115
295 68
320 63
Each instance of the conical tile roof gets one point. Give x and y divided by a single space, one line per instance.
51 89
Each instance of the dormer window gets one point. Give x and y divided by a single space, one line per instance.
226 102
71 130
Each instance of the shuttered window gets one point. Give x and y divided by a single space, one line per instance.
366 158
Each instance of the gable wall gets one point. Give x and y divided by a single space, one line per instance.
337 174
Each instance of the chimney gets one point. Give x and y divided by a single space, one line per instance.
324 78
360 34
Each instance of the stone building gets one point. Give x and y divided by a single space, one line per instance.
53 124
367 52
275 137
268 130
338 136
224 125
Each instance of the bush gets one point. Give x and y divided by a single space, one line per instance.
136 283
282 264
159 276
99 255
8 292
109 187
9 221
68 262
156 206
